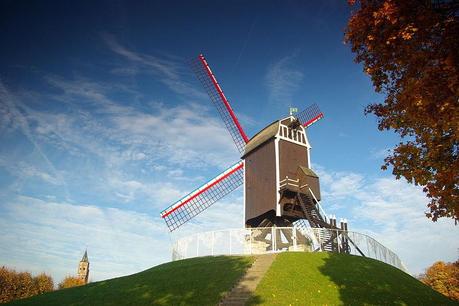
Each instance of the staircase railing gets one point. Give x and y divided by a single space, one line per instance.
321 210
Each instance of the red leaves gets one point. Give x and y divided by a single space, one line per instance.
410 52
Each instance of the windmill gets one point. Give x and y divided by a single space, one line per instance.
280 188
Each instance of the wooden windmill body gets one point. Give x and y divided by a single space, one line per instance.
278 172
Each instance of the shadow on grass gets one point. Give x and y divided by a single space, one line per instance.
198 281
364 281
241 291
255 300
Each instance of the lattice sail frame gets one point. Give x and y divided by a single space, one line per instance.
200 199
202 70
310 115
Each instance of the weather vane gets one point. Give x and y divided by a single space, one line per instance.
293 110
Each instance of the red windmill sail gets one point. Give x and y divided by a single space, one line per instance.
310 115
200 199
207 78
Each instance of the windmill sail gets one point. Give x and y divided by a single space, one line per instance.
207 78
310 115
197 201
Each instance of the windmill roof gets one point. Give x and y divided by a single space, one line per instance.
308 171
261 137
85 257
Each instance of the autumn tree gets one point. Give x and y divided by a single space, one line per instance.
444 278
17 285
410 49
71 281
43 283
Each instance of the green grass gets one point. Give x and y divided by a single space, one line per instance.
336 279
293 279
197 281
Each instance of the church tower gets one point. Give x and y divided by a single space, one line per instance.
83 268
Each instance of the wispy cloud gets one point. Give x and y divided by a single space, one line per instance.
51 236
282 80
25 170
181 134
392 211
15 115
162 66
170 70
224 214
397 209
122 152
44 235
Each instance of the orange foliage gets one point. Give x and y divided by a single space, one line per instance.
410 49
17 285
70 281
444 278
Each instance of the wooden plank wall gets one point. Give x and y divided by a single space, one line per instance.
260 180
291 155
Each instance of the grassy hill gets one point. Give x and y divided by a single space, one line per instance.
338 279
197 281
293 279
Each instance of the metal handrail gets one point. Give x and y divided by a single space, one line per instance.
322 211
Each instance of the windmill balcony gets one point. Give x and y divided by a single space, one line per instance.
262 240
290 184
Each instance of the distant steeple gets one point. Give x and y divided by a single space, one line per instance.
85 256
83 268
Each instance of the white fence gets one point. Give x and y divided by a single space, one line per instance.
280 239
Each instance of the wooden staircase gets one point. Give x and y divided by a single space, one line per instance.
328 239
311 211
315 219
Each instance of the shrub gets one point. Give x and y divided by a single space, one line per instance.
70 281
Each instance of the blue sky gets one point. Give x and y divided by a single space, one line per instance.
102 125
